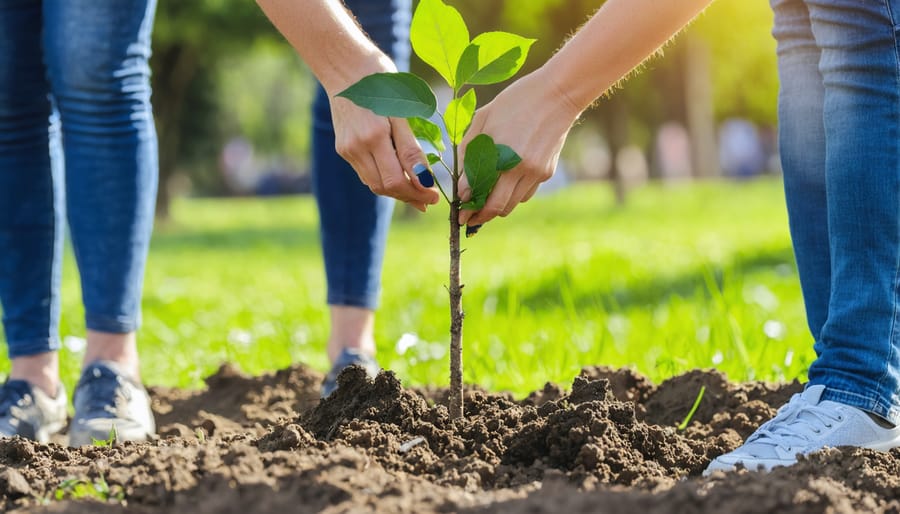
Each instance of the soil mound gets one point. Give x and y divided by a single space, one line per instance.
609 443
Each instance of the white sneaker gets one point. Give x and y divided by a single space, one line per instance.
802 426
27 411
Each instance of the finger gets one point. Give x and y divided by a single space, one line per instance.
524 189
412 160
394 181
365 167
531 193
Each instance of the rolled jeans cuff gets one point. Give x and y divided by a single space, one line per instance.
32 347
112 324
364 301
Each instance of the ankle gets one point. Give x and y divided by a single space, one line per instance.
41 371
120 349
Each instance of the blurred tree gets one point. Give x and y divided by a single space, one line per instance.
190 40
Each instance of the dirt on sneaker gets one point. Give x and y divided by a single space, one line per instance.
608 442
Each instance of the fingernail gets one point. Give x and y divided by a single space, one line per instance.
424 175
471 230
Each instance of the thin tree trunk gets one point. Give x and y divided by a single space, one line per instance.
456 311
700 109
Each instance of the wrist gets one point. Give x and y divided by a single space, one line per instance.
555 98
338 78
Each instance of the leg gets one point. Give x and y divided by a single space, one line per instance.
30 229
31 200
859 347
354 222
851 397
97 53
97 59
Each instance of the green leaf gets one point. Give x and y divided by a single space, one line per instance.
439 36
458 115
433 159
397 95
428 131
481 170
500 56
468 65
508 159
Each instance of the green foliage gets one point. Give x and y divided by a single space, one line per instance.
493 57
482 169
458 115
427 131
81 489
396 95
507 158
439 37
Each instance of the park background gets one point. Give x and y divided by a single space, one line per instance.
671 253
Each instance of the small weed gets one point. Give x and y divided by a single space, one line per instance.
110 440
693 410
80 489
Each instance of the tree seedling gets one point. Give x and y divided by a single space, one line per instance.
440 38
687 419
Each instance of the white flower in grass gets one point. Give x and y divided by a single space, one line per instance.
774 329
717 358
240 336
406 342
74 344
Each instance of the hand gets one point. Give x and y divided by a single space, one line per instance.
533 117
383 151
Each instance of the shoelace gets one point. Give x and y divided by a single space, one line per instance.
797 427
11 395
102 391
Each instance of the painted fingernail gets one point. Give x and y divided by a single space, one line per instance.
471 230
424 175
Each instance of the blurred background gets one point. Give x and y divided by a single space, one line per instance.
627 259
232 99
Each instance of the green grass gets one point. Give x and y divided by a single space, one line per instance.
682 277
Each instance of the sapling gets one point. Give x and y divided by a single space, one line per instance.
440 38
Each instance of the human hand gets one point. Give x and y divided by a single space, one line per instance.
383 151
533 117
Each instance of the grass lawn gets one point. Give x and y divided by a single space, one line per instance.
682 277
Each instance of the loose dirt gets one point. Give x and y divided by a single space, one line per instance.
606 443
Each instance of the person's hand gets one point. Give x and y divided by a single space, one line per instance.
533 117
383 151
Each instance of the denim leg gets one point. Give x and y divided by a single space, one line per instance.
801 133
354 222
97 53
30 199
858 347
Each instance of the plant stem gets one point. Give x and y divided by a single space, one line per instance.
456 310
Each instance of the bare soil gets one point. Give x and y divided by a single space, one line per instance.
608 443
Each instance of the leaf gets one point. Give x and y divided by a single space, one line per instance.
439 36
481 170
396 95
508 159
468 65
458 115
428 131
433 159
500 56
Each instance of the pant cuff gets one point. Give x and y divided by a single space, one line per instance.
364 301
868 403
32 347
112 324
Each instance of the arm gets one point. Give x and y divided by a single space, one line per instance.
382 151
535 113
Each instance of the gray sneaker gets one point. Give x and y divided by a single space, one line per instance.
105 399
806 424
28 411
348 357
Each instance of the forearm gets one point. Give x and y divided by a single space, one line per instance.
328 39
621 35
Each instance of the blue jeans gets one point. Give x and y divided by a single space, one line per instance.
839 109
354 222
76 140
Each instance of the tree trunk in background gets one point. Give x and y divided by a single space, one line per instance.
700 110
615 125
174 69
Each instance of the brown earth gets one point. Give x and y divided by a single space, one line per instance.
608 444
